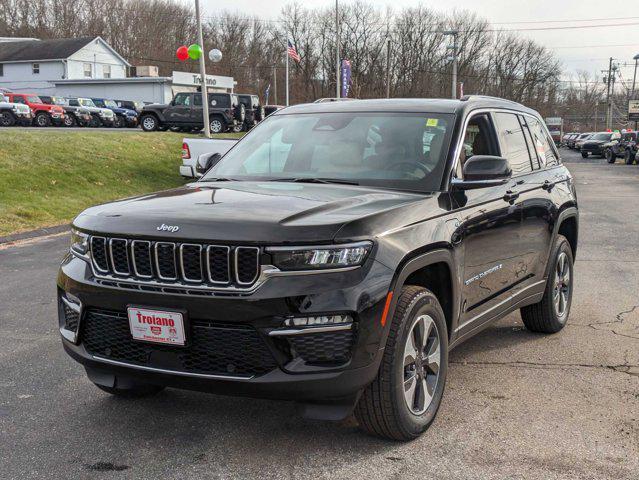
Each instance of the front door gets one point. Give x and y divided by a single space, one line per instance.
180 109
490 223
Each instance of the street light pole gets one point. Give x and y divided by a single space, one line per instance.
453 58
388 63
205 97
337 62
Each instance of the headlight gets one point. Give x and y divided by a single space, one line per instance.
320 257
79 242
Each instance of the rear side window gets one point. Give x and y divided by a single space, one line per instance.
542 144
513 143
219 101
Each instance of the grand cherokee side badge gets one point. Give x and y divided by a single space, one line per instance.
168 228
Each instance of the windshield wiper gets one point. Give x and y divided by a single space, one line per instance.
217 179
314 180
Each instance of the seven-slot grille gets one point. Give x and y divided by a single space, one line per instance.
170 262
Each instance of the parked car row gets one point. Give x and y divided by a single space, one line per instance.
27 109
228 112
608 145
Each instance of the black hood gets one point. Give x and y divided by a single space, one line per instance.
260 212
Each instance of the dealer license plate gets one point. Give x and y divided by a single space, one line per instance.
156 326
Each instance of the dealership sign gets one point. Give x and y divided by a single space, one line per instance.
554 121
195 80
633 110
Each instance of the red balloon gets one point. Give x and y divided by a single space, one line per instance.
182 53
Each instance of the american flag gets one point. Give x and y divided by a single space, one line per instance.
292 52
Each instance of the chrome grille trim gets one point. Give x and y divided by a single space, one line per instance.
228 264
257 266
134 262
181 254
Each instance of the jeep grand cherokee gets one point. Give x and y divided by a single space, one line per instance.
333 257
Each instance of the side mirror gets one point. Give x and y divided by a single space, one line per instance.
481 171
206 161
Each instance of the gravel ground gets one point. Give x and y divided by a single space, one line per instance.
517 405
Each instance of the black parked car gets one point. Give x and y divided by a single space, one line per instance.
130 104
254 111
73 116
333 257
595 144
184 113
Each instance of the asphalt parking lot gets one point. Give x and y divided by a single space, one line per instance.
517 405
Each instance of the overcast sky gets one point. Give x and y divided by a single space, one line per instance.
583 48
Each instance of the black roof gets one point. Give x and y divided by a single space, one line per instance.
27 50
414 105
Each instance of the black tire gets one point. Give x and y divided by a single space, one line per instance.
118 121
543 317
259 114
610 156
217 124
7 119
237 128
138 390
70 121
149 123
628 157
584 154
240 113
95 121
42 119
383 409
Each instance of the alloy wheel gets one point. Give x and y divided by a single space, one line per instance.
149 123
216 126
561 289
422 358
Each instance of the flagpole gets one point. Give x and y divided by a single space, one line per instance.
287 72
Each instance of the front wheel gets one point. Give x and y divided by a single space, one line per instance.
43 120
7 119
402 402
628 157
70 121
149 123
610 156
551 313
584 154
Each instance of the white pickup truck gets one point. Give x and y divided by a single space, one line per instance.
195 151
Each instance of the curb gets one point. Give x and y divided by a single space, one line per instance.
40 232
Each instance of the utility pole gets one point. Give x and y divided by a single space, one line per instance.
205 97
608 100
388 63
337 55
275 84
453 58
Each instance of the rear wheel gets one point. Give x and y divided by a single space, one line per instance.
584 154
118 121
7 119
70 121
43 119
551 313
217 125
149 123
136 390
403 400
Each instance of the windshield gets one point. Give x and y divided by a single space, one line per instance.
98 103
391 150
3 98
601 136
585 135
60 101
33 99
110 104
86 102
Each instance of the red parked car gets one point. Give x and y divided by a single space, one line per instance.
43 115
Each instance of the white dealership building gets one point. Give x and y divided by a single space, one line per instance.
89 67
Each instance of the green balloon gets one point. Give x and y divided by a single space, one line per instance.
195 51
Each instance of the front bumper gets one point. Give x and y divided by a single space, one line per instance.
284 371
592 149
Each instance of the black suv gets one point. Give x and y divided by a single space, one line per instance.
73 116
184 113
596 144
333 257
254 111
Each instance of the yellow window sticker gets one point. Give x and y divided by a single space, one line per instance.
432 122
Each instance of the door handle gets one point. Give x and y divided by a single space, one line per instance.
511 196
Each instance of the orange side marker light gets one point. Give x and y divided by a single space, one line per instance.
389 298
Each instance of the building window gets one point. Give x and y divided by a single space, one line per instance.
106 71
35 68
88 71
1 69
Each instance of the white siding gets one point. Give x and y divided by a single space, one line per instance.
97 54
143 92
19 76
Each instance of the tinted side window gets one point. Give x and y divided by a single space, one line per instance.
219 101
73 102
537 162
542 144
182 99
513 143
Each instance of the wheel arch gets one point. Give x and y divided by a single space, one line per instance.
435 270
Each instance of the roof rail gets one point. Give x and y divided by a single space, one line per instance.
467 98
